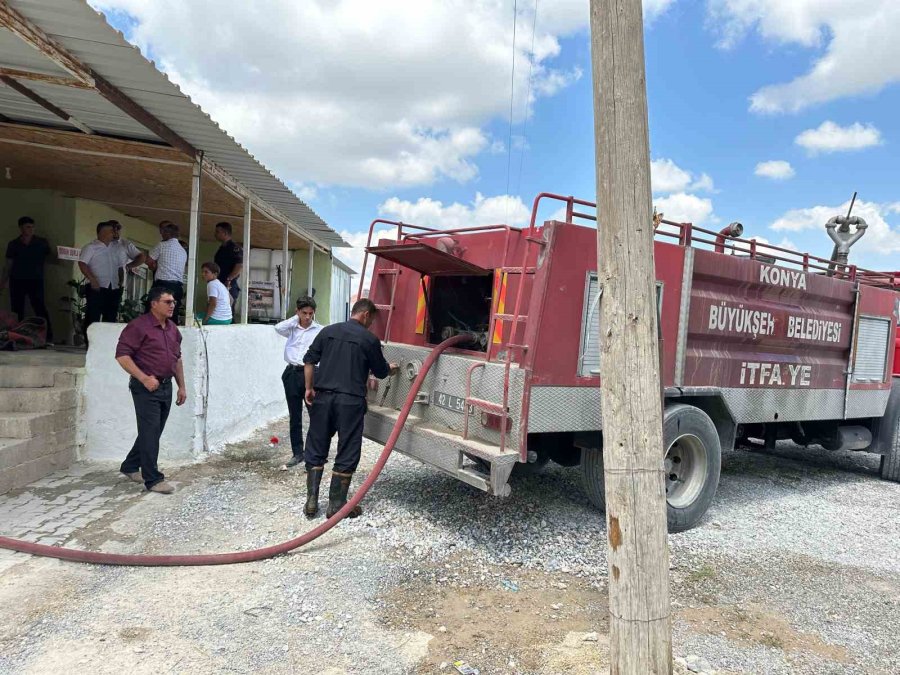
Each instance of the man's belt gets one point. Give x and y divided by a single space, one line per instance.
161 380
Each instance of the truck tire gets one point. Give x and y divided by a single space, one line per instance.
592 477
890 463
693 461
890 459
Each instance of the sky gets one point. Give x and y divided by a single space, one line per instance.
452 113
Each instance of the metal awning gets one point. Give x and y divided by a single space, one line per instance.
62 65
428 260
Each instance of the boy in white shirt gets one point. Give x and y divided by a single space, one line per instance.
218 304
300 331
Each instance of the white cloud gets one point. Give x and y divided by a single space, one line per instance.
353 256
306 192
855 42
482 211
830 137
656 8
686 208
787 243
776 169
359 93
878 247
703 184
667 176
566 16
435 214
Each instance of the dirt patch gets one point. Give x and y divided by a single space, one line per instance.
577 654
752 625
521 620
134 633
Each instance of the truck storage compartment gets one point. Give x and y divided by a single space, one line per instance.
460 304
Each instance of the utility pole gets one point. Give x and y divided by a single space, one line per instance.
637 547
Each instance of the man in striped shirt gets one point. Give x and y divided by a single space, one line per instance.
167 260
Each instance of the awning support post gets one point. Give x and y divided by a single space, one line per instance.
309 278
285 278
245 282
193 237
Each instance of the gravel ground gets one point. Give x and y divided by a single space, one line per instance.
795 570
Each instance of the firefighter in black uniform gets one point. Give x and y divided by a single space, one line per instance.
345 353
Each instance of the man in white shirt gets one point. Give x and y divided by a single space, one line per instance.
100 262
167 260
300 331
128 251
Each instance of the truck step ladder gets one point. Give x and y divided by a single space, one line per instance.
393 272
507 346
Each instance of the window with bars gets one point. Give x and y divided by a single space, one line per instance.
589 353
873 334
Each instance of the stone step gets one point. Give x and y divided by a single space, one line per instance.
16 451
35 469
34 425
31 377
46 399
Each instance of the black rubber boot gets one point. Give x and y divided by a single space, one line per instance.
313 478
337 494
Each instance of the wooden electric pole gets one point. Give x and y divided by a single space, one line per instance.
638 552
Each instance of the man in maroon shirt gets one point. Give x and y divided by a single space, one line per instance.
149 350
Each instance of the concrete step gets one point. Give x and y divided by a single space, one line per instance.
16 451
34 425
12 377
46 399
35 469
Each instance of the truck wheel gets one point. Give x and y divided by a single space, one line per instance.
592 477
890 462
693 461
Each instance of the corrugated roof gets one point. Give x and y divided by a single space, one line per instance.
337 262
87 36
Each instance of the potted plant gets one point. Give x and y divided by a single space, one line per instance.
132 309
77 304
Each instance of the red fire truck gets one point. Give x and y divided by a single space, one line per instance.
758 344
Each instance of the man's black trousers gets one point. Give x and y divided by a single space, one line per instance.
33 289
101 304
152 410
294 389
331 413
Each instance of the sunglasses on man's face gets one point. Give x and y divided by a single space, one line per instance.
167 302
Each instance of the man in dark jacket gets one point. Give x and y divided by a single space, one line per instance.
230 259
25 258
346 353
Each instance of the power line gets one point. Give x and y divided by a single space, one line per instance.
512 90
527 100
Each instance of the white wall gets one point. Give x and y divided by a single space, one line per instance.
245 392
340 294
246 363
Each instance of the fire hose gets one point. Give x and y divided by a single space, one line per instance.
100 558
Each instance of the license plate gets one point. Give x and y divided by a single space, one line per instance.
449 401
